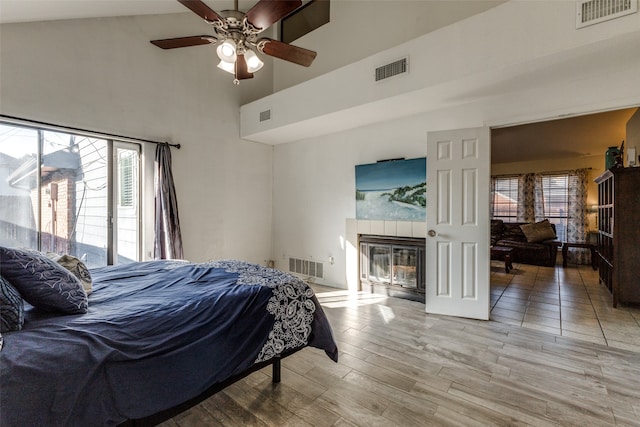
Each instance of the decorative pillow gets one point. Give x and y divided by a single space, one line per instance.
41 282
75 266
512 231
11 307
538 231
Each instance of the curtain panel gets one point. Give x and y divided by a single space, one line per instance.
530 198
577 223
168 238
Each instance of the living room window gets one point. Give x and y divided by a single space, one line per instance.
57 194
505 198
556 196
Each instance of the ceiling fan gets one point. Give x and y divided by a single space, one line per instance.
237 35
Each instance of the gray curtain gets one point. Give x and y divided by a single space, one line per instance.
168 238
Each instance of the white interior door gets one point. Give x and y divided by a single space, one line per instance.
458 181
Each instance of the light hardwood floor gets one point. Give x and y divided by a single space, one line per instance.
539 362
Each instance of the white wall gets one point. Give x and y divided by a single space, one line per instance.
360 28
104 75
544 69
515 48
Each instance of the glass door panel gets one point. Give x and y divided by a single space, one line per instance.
127 181
379 263
18 187
74 197
405 266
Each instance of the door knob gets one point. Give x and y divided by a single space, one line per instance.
432 233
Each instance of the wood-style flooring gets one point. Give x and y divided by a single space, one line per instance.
402 367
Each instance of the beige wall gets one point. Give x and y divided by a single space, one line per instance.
633 135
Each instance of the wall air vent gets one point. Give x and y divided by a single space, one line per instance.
306 268
400 66
589 12
265 115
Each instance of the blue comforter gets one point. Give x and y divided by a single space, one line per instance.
156 334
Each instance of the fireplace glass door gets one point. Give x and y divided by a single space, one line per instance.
405 263
379 263
395 262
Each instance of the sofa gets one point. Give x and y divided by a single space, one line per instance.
532 243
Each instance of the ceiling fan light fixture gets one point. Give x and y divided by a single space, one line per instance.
227 51
237 36
253 62
229 67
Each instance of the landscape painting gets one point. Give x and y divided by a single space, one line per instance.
392 190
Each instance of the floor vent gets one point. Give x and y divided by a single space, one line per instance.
306 267
589 12
265 115
393 69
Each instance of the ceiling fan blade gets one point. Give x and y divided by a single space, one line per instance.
202 10
183 41
241 68
295 54
267 12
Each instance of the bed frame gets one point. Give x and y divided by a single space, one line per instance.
162 416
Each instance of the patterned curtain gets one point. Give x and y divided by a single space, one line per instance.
539 211
168 238
530 198
577 215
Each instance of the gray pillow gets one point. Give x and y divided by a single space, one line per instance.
11 307
77 267
538 232
43 283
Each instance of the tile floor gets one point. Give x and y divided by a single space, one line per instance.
564 301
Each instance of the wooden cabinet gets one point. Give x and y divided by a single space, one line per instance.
619 233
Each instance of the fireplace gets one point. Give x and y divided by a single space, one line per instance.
393 266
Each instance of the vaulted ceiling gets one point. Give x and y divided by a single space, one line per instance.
46 10
563 138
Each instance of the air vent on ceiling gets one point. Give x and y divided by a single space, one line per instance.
589 12
400 66
265 115
306 267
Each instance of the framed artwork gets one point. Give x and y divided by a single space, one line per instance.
392 190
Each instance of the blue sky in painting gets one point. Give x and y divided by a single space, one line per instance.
391 174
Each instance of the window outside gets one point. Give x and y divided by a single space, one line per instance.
54 194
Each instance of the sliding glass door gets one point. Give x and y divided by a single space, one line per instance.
69 193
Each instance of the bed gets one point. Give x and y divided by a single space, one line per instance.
156 336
